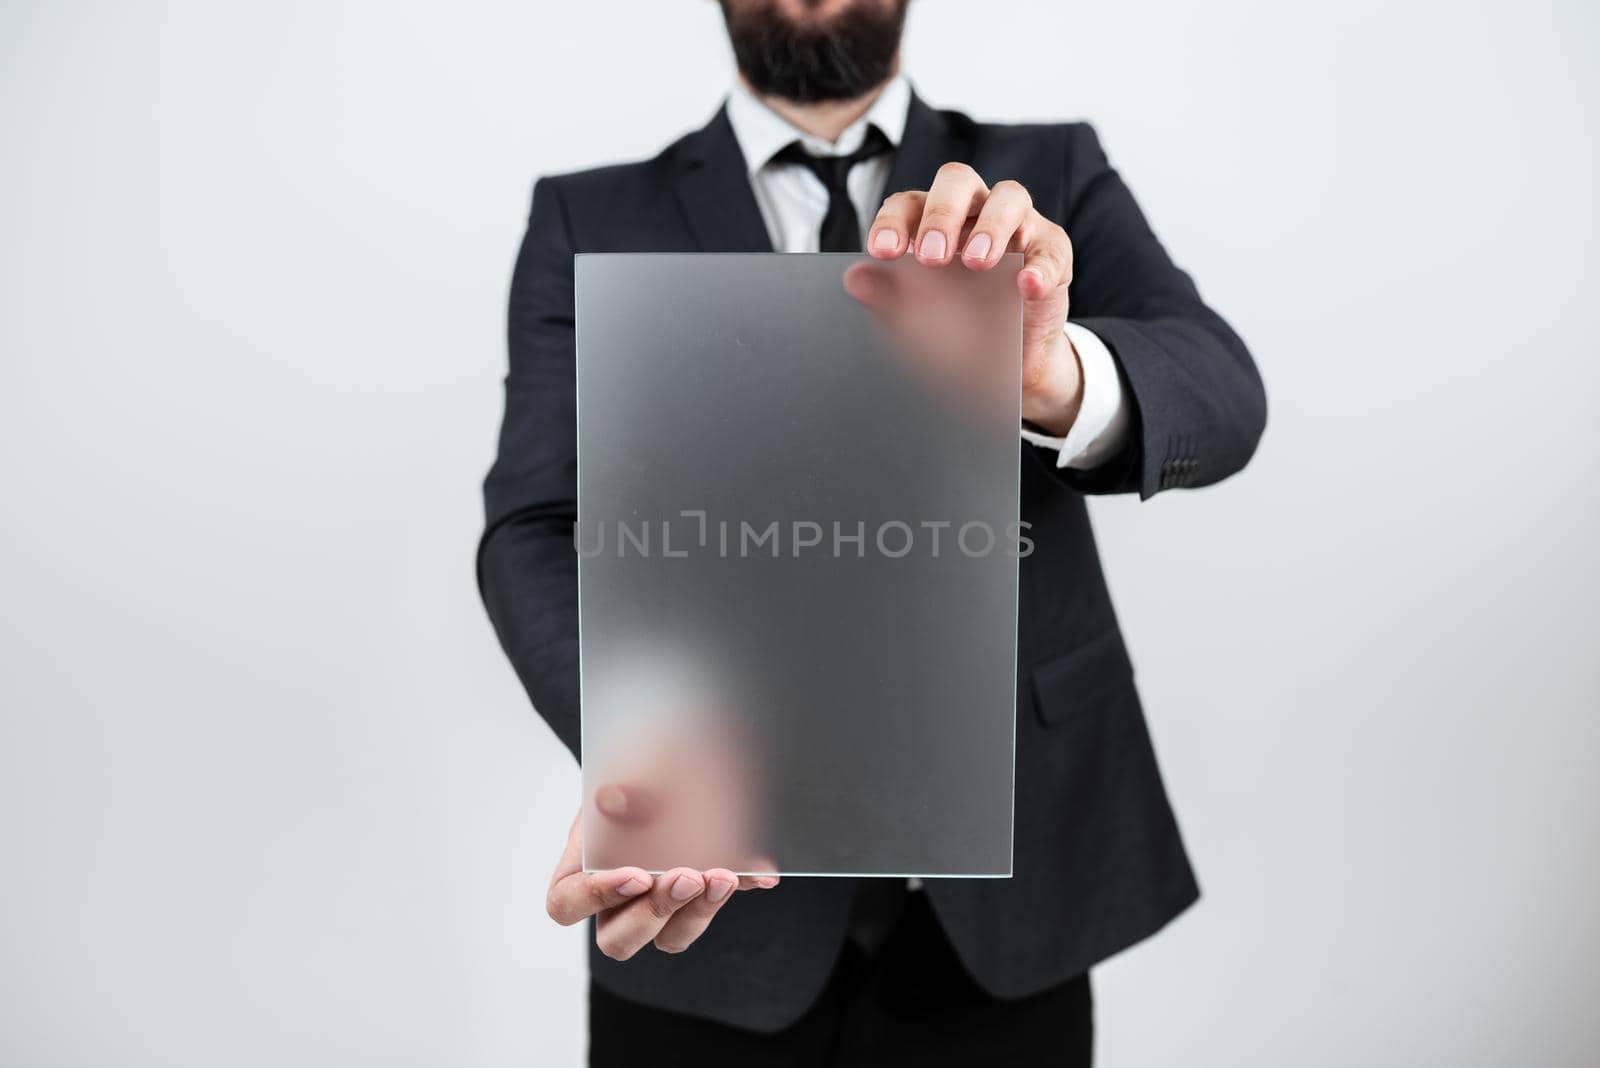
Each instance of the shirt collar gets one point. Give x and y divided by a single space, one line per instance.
762 133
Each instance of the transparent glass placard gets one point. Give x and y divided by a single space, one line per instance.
798 543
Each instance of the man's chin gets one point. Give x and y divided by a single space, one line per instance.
838 51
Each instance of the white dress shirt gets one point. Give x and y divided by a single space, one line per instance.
793 202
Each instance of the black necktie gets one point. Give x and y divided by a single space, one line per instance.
841 229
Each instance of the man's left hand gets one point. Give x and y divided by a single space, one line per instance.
961 217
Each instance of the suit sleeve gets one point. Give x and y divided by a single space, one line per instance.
527 564
1199 405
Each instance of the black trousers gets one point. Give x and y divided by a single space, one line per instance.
909 1003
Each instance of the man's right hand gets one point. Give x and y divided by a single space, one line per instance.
632 908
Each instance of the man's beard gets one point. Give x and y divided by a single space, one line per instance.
850 55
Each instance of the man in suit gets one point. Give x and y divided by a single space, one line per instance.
1131 384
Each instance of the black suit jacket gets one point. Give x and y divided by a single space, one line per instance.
1097 857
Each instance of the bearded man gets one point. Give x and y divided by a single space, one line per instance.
1131 384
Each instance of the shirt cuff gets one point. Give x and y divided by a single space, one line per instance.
1101 428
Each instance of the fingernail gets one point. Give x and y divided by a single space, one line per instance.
684 887
766 882
978 248
933 245
633 887
611 800
718 890
886 240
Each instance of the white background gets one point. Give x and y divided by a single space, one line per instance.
269 793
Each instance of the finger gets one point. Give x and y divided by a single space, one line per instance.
1046 258
870 285
583 894
691 921
622 932
760 882
888 293
572 853
757 882
895 221
956 195
630 806
1003 214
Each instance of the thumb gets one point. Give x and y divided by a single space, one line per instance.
630 806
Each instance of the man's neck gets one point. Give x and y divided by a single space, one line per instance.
826 119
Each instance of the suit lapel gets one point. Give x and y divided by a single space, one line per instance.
928 144
713 186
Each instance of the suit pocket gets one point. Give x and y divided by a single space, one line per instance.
1091 676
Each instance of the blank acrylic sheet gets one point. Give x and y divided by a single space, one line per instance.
798 544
